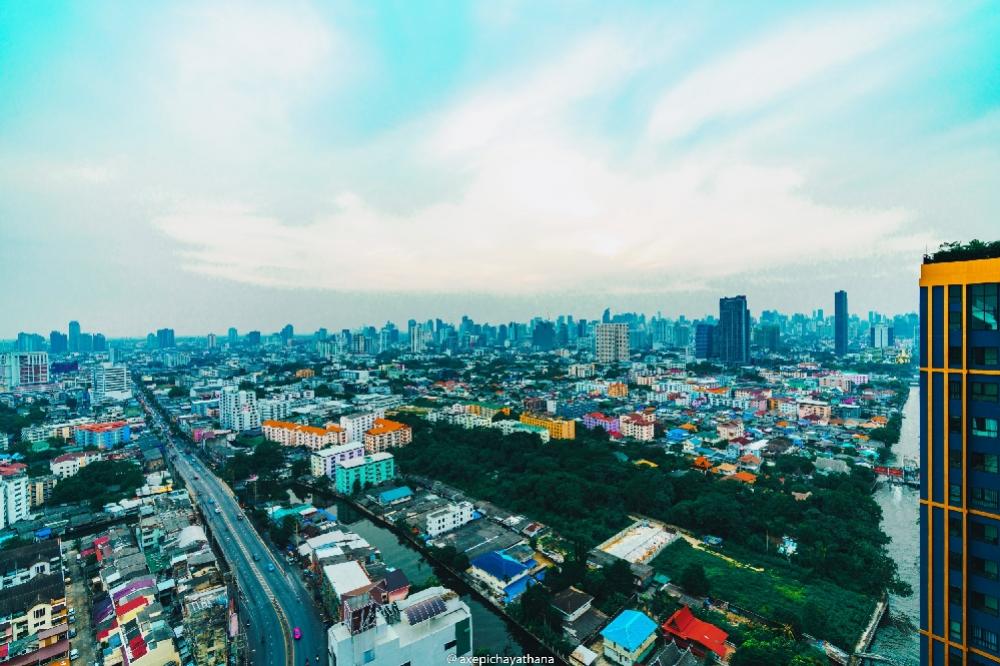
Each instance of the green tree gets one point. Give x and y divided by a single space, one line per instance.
694 581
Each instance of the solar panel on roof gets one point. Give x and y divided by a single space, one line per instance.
425 610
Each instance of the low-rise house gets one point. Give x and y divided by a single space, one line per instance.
629 638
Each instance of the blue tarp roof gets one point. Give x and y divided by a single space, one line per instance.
394 494
629 629
499 565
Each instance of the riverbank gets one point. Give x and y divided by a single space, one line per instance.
526 642
897 636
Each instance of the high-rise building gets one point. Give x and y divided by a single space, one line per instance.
14 499
100 343
253 338
233 336
840 316
611 342
111 383
704 341
210 341
165 338
287 333
238 409
74 336
24 369
58 343
880 336
960 448
734 330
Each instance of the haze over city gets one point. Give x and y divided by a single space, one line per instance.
196 166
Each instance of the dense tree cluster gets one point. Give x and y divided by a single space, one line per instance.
99 483
586 494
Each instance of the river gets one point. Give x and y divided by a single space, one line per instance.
489 632
897 637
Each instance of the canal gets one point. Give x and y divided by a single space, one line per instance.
897 637
490 634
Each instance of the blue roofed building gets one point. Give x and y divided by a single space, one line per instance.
503 574
394 496
629 638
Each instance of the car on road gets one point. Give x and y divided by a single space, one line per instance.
218 510
296 633
256 558
72 633
239 517
73 654
270 567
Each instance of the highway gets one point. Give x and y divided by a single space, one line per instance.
274 600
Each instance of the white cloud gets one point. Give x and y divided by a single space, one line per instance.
755 75
236 71
544 206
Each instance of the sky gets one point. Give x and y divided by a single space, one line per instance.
206 165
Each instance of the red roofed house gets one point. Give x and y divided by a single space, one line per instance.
688 631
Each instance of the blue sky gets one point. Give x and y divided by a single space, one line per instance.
205 165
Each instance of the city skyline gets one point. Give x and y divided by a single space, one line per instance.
208 166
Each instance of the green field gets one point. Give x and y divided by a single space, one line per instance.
818 607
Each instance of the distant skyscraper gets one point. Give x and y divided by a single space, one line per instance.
287 333
253 338
880 336
210 341
704 341
840 316
959 489
74 336
58 343
233 337
100 343
734 330
543 336
611 342
165 338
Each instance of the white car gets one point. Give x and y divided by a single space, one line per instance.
73 654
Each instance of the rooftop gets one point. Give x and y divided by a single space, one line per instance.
629 630
957 251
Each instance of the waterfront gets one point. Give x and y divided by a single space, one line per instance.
490 634
897 637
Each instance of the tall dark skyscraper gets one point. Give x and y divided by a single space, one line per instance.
74 336
704 338
734 331
58 343
840 316
960 462
165 338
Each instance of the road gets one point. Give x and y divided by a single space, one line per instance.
273 601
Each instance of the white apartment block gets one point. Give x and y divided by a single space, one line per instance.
274 410
14 500
433 626
356 425
69 464
238 409
448 518
111 383
611 342
325 461
24 368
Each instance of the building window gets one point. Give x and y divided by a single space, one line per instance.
984 356
955 560
985 498
983 426
956 630
956 658
985 533
954 423
983 307
955 595
985 391
986 603
984 639
954 389
39 613
985 568
369 656
955 493
984 462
